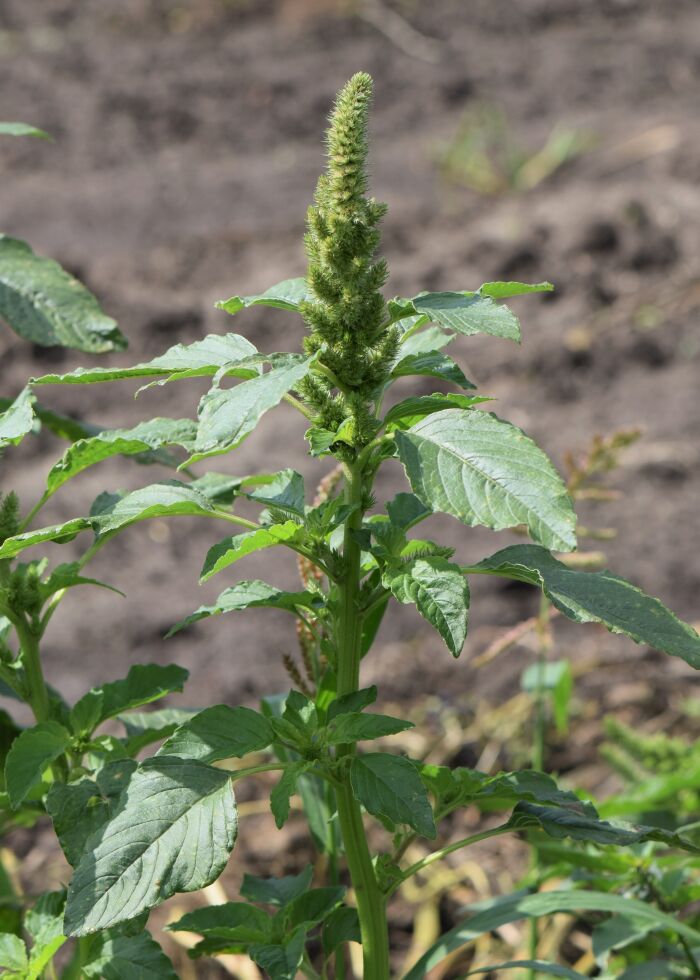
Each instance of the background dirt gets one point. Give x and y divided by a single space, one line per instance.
187 146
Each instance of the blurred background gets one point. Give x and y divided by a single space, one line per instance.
546 139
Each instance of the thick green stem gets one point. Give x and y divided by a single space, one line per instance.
371 905
37 693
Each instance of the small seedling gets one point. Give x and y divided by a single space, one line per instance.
138 832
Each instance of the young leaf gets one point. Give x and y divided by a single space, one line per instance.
112 512
233 922
341 926
466 313
30 754
276 891
286 295
228 416
503 290
598 597
172 832
143 684
13 955
439 592
232 549
425 341
218 733
18 419
313 906
22 129
351 703
485 471
245 595
44 923
45 305
122 957
390 788
431 364
555 678
356 727
412 410
284 790
142 439
283 491
280 961
201 359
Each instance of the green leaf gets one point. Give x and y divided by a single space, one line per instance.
22 129
598 597
459 787
499 912
276 891
45 305
232 549
502 290
390 788
143 684
228 416
172 832
201 359
245 595
431 364
284 790
406 510
44 923
218 733
77 810
282 491
31 753
18 419
412 410
562 822
539 966
142 439
112 512
13 954
426 341
485 471
352 703
281 962
341 926
60 533
440 593
356 727
556 679
286 295
128 958
233 922
145 727
466 313
313 906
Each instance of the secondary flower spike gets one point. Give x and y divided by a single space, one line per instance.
347 318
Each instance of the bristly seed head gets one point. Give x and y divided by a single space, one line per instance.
347 318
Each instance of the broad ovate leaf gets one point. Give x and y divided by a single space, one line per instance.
31 752
390 788
482 470
232 549
125 957
219 733
246 595
173 831
286 295
439 591
466 313
431 364
112 512
597 597
47 306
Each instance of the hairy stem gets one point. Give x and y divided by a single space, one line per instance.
371 905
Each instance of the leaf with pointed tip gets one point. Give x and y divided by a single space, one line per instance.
284 790
18 419
60 533
313 906
143 684
439 592
431 364
121 957
390 788
142 439
341 926
280 961
227 416
483 470
490 916
44 923
466 313
200 359
219 733
31 752
282 491
355 727
406 510
276 891
47 306
286 295
427 341
172 832
503 290
67 576
112 512
598 597
247 595
145 727
232 922
22 129
412 410
232 549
